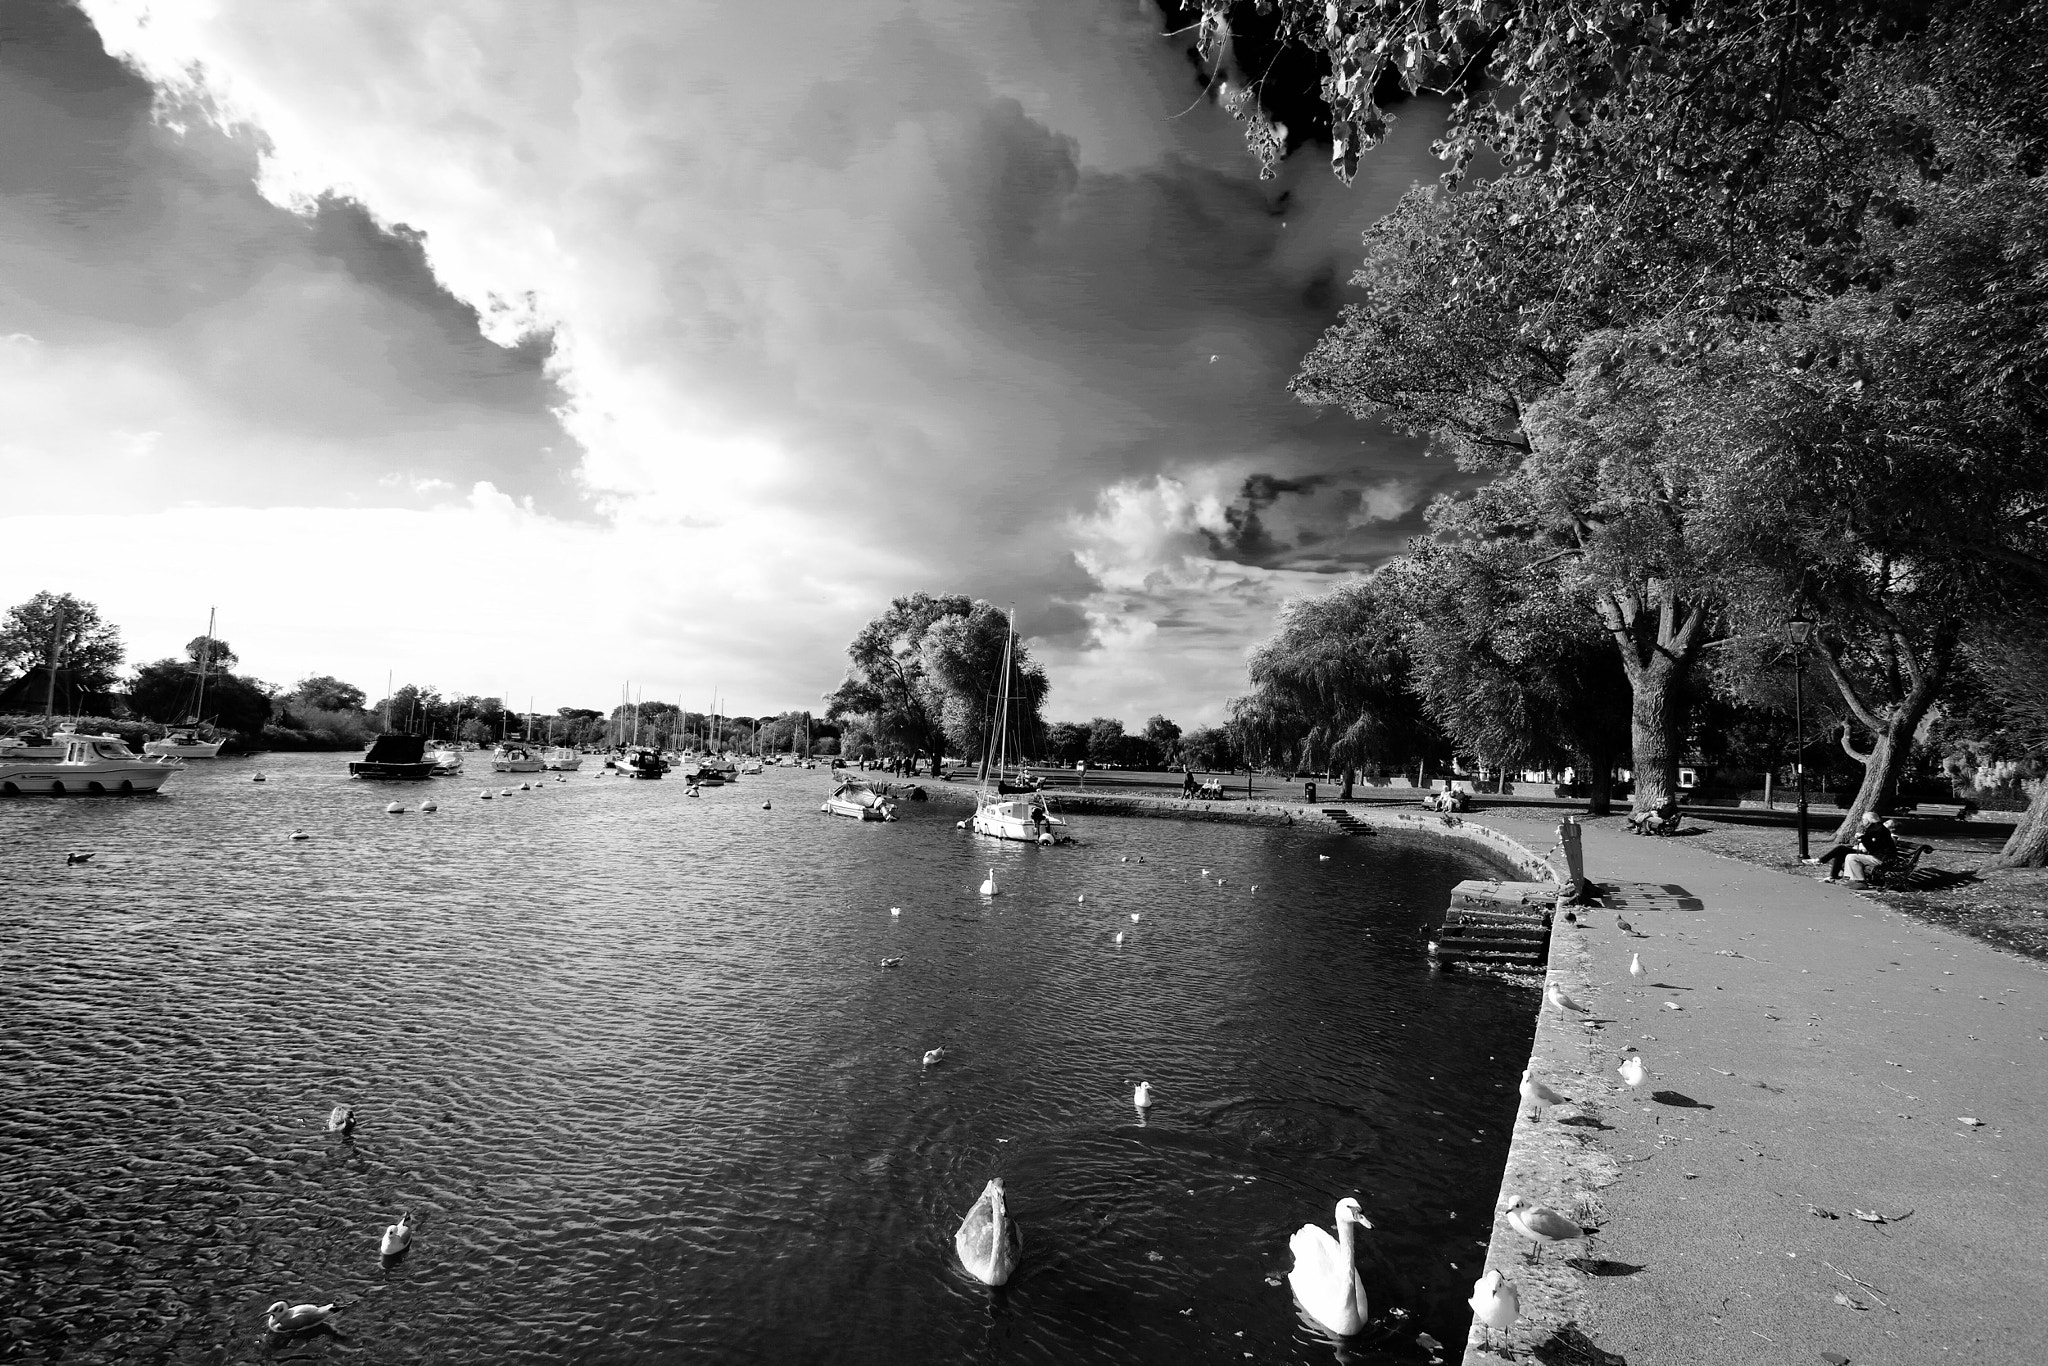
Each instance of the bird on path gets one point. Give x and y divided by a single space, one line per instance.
892 962
988 886
988 1243
1635 966
1627 928
341 1120
1554 996
934 1057
1540 1224
1496 1302
1142 1097
1540 1095
1324 1277
1632 1072
295 1318
73 860
397 1237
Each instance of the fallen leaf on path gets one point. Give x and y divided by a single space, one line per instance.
1868 1216
1817 1212
1973 1123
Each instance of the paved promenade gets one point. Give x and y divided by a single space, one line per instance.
1820 1061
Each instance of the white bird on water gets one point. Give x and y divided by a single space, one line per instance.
1553 995
1496 1302
1540 1224
988 1243
1119 936
988 885
1324 1279
934 1056
293 1318
397 1237
1134 917
341 1119
1632 1072
1082 897
1539 1095
1635 967
1142 1097
895 910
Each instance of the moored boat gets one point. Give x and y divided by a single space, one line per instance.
854 798
33 744
1012 808
91 765
447 761
562 758
394 756
515 759
642 763
184 744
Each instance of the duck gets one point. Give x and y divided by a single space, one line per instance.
1496 1302
934 1056
1540 1224
294 1318
988 885
1142 1096
1324 1278
73 860
341 1120
988 1243
397 1237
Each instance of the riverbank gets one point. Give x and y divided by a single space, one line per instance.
1836 1148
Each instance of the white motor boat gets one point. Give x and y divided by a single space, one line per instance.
562 758
751 766
184 744
92 765
447 761
33 744
515 759
856 799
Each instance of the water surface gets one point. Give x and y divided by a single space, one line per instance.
632 1061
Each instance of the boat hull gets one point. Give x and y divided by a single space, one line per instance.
108 779
1012 820
839 806
517 766
170 749
370 768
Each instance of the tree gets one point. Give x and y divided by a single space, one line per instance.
217 653
165 691
1066 742
1210 748
963 659
1105 740
324 692
87 650
2001 721
1164 737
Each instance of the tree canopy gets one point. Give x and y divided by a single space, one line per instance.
87 649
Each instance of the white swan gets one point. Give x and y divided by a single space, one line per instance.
397 1237
291 1318
1496 1302
988 886
1142 1097
342 1119
934 1056
1325 1282
988 1242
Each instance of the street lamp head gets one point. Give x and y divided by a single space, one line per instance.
1798 629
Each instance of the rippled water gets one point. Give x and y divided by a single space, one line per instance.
632 1062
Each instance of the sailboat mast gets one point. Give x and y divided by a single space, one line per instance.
205 656
1003 698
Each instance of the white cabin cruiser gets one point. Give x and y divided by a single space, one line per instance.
447 761
33 744
562 758
184 744
515 759
92 765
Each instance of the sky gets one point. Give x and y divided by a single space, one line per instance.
535 349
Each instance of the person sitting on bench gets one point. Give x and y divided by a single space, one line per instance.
1872 848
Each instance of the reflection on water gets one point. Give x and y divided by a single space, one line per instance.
634 1065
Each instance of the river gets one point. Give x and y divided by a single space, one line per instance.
631 1060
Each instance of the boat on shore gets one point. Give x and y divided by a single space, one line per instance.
854 798
515 759
92 765
562 758
394 756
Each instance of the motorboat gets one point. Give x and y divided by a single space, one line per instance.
91 765
751 766
642 763
33 744
1012 807
515 759
562 758
184 744
856 799
447 761
394 756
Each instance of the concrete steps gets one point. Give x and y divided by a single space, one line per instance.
1503 923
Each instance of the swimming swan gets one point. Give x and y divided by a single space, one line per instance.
988 1242
342 1119
1325 1281
988 887
397 1237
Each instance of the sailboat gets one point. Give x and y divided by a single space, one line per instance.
1011 810
183 742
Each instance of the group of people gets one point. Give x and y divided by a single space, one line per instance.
1869 852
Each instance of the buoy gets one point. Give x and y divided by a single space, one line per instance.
300 835
767 806
394 809
430 805
526 787
485 794
259 778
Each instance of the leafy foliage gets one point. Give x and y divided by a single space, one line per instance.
88 648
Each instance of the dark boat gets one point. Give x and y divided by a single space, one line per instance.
394 756
643 763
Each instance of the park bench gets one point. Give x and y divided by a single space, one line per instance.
1896 869
1947 811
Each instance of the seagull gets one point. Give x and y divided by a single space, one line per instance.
895 910
1142 1097
1205 872
1540 1095
397 1237
1540 1224
988 886
988 1243
342 1119
1553 995
73 860
1624 926
1632 1072
892 962
1082 897
1635 966
1495 1301
934 1057
1119 936
1134 917
293 1318
1324 1277
298 835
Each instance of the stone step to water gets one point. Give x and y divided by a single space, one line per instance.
1346 822
1506 923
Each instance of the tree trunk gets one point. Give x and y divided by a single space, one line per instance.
1656 732
1892 744
1599 783
1658 638
2028 847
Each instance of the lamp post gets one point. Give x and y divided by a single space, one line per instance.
1798 629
